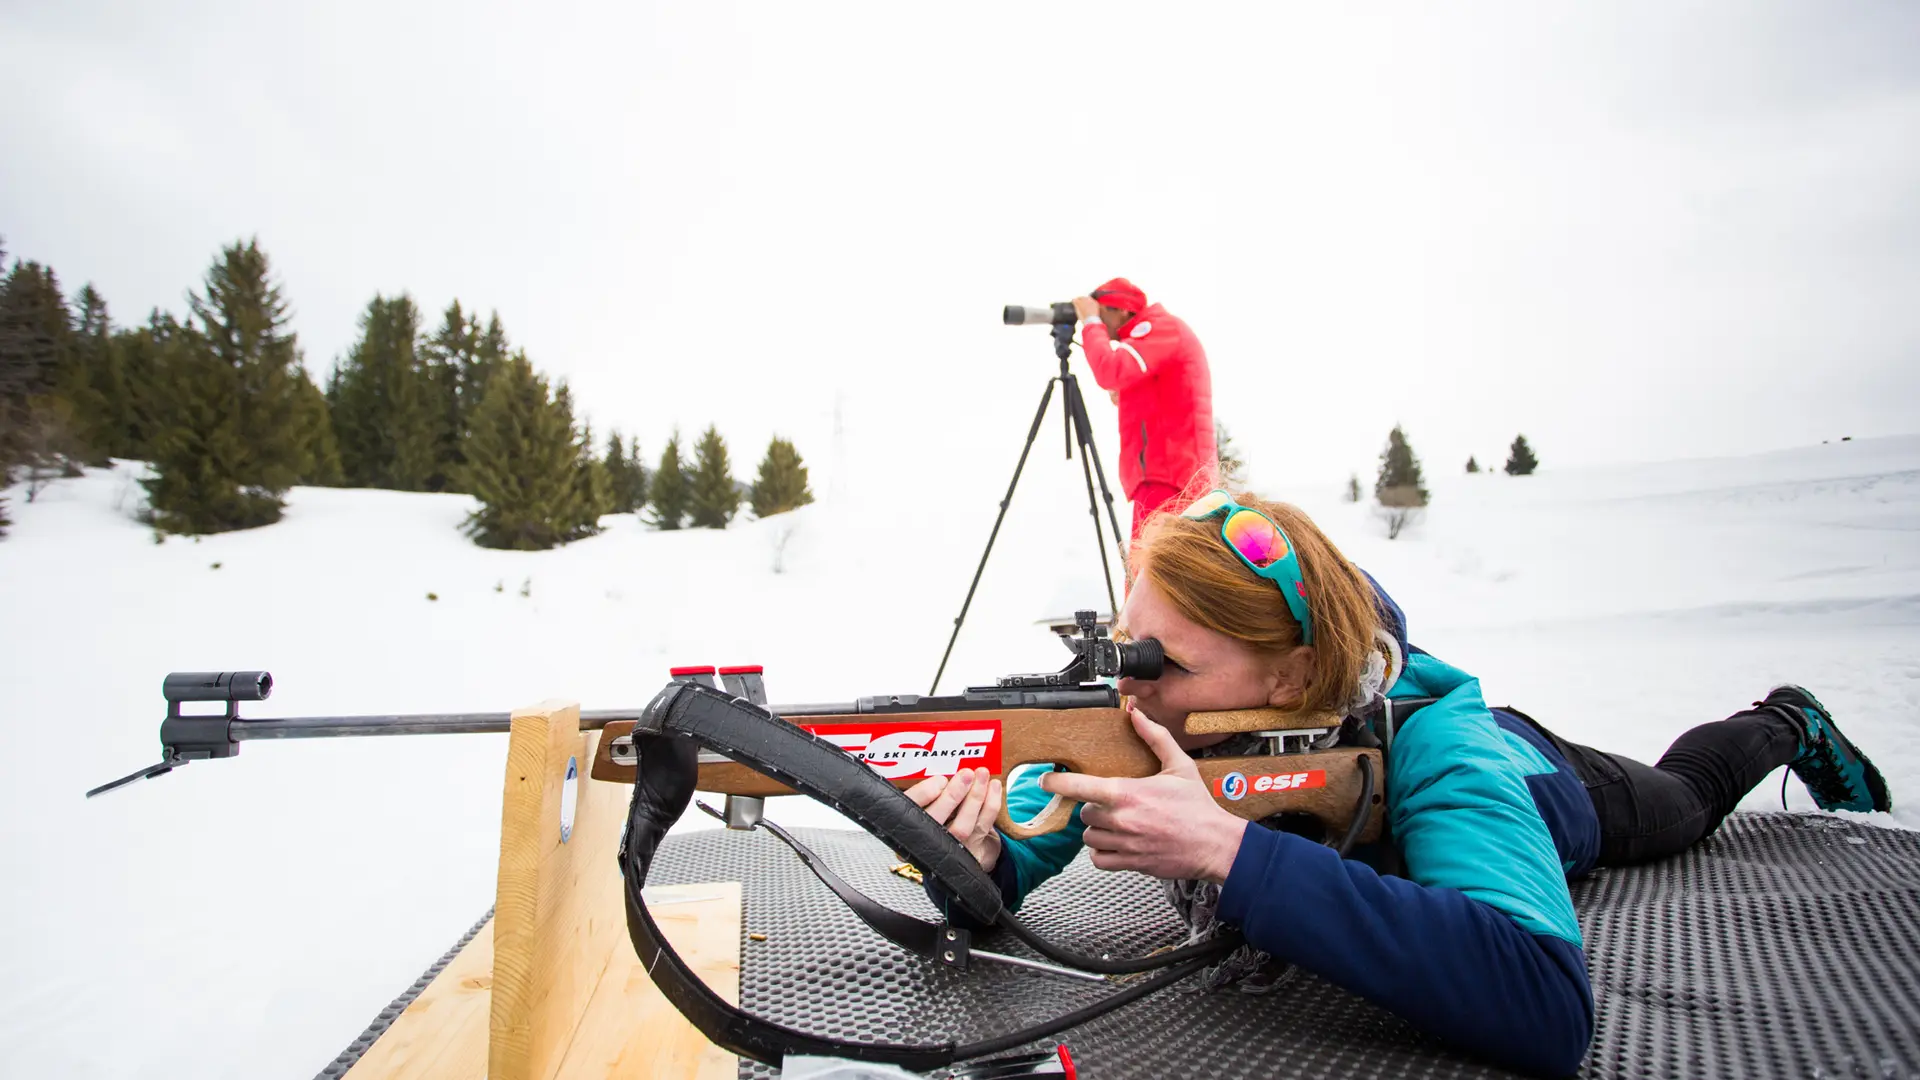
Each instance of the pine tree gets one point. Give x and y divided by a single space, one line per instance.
668 491
314 421
1472 465
1399 489
640 476
523 463
782 483
1233 467
457 357
382 400
106 414
1399 483
1353 488
198 450
1520 459
614 458
626 475
36 336
712 498
593 488
138 351
230 442
45 398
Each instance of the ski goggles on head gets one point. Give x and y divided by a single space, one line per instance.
1263 546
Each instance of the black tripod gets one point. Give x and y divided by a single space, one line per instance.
1080 430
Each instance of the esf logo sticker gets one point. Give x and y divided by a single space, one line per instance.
909 750
1234 786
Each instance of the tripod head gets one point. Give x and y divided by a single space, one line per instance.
1063 344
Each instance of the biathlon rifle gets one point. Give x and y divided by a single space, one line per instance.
855 756
1069 719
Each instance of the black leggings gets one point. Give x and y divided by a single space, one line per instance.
1651 812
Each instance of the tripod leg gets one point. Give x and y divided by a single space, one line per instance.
1077 411
1038 415
1099 541
1087 448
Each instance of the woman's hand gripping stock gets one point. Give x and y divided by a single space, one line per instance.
1165 825
967 804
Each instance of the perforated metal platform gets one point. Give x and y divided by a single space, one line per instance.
1785 946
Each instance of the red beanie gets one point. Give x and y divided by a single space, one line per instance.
1123 294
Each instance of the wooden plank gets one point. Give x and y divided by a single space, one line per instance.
442 1034
558 914
629 1028
553 973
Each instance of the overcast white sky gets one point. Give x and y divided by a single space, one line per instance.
1633 231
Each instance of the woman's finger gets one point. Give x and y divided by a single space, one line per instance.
1106 840
1094 815
989 810
961 826
942 806
1161 742
926 790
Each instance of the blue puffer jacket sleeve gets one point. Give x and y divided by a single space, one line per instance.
1478 945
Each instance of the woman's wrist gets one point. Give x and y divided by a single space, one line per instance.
990 852
1226 833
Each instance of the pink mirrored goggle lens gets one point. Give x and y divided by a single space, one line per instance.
1254 537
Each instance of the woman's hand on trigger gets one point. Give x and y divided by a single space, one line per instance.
967 804
1165 825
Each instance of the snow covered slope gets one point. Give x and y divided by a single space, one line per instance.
246 918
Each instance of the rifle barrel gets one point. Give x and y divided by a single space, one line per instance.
478 723
340 727
242 729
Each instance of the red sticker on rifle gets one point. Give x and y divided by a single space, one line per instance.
1236 786
903 750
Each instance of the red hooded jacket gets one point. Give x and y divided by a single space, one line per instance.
1165 395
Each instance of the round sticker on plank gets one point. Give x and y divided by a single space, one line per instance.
569 798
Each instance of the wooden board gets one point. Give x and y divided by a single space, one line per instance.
627 1030
551 988
558 912
443 1032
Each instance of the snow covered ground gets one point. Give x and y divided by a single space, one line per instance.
247 918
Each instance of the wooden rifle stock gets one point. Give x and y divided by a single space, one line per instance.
1325 784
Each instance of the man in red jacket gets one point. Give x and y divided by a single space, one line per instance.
1157 374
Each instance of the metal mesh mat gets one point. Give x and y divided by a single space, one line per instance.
1784 946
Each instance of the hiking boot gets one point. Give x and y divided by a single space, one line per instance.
1836 773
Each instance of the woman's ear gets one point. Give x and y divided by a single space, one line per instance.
1291 672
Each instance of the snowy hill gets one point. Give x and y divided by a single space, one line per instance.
246 918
